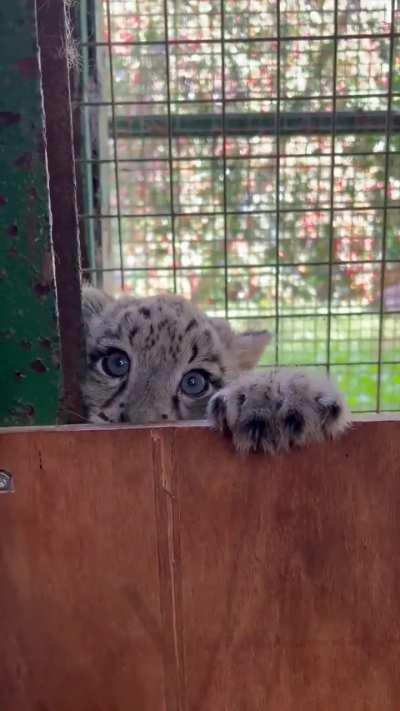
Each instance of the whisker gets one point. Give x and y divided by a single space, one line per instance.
76 415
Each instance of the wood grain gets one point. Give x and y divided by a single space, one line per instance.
154 569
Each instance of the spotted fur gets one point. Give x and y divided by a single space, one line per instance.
165 337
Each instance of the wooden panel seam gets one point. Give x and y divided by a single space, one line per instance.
169 562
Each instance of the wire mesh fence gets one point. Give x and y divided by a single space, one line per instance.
246 154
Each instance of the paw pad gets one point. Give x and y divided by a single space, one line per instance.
241 399
294 422
256 430
334 410
330 410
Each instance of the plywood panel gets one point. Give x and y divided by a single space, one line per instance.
155 569
79 597
291 576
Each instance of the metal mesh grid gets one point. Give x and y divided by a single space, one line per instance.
246 153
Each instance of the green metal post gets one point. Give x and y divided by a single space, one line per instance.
29 343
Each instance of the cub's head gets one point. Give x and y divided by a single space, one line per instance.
158 358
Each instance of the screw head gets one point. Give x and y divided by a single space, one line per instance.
6 482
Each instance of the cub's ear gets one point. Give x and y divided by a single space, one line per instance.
94 302
249 347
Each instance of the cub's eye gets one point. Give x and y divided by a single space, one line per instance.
195 383
116 364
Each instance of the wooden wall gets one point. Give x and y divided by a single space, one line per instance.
155 570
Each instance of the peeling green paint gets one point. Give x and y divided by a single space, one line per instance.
29 344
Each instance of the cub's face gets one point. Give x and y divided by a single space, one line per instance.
158 359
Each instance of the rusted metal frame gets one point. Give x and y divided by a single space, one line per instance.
53 35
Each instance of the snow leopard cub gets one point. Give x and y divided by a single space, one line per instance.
161 359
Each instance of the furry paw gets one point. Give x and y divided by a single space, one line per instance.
277 410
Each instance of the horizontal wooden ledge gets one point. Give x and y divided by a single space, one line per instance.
358 419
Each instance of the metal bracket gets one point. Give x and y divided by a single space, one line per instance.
6 482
